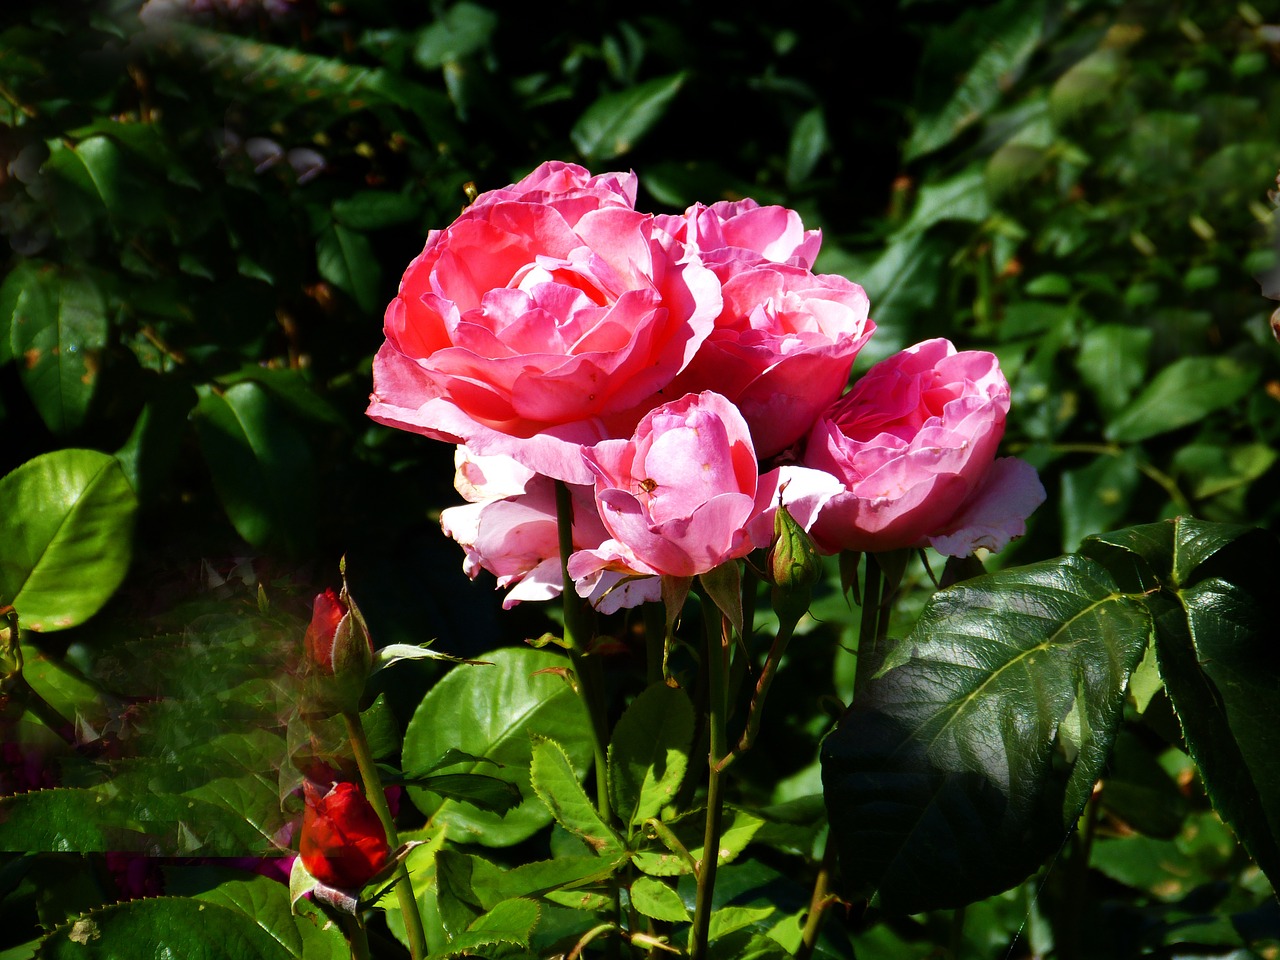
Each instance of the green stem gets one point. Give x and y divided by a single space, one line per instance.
718 645
756 712
357 937
655 641
868 625
586 668
955 942
818 903
378 800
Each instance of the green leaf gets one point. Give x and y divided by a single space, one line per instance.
510 922
1097 496
962 196
648 754
375 209
63 819
611 126
1182 393
346 259
493 712
1214 629
1013 39
659 860
308 935
556 784
653 898
461 31
487 793
162 927
1113 363
66 522
57 331
961 765
808 144
727 920
262 467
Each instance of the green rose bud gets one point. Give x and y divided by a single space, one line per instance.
794 567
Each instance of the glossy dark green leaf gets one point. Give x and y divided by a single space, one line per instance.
1182 393
494 712
66 521
346 259
1013 39
613 124
57 330
966 761
161 927
1220 666
648 754
262 467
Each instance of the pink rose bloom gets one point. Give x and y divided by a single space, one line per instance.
782 347
744 230
510 527
682 496
914 445
548 316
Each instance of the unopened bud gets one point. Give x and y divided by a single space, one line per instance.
794 566
339 651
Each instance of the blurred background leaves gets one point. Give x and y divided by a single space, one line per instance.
206 204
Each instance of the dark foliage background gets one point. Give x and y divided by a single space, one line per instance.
207 205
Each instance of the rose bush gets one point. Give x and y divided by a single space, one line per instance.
913 444
343 842
548 316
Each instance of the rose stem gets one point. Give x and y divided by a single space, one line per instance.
756 711
378 799
818 903
590 685
717 707
655 641
357 938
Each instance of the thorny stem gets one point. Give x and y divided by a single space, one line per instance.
719 642
586 668
378 800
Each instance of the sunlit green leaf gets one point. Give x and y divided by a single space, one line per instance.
494 712
648 754
611 126
66 521
1182 393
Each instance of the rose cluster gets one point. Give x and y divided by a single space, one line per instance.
682 376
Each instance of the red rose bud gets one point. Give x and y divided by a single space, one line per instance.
339 650
343 842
